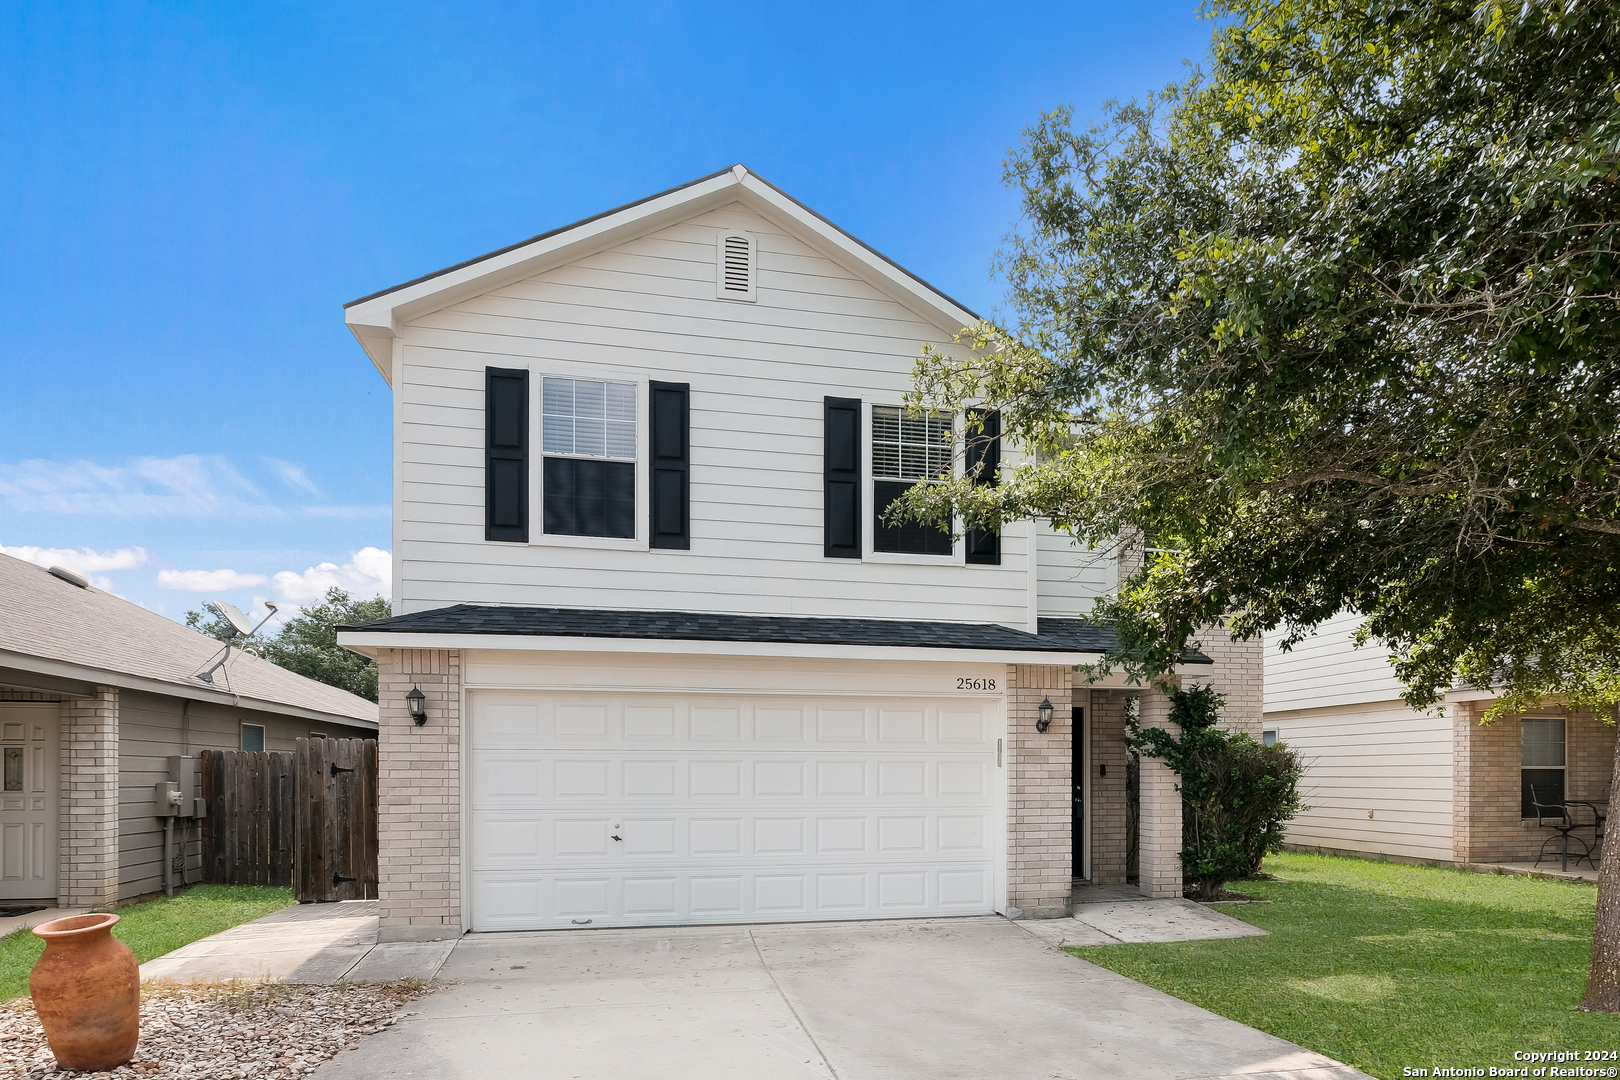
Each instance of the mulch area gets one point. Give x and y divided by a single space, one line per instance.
227 1031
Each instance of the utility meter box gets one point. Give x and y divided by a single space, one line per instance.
167 800
182 787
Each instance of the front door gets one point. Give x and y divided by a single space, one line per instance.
28 776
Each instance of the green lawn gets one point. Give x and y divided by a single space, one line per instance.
1385 966
154 927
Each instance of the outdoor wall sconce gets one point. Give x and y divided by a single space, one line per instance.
1045 711
417 702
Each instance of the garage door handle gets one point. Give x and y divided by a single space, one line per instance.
618 837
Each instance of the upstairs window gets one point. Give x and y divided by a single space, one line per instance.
588 476
907 449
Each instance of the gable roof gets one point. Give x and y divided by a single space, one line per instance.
62 634
376 319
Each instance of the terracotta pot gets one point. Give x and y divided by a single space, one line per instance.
87 992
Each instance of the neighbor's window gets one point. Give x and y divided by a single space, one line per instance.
1542 749
907 449
317 734
588 477
253 737
1268 738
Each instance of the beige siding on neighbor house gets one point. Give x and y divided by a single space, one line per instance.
758 373
1326 670
1378 780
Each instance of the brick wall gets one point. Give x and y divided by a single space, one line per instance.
1239 674
1040 811
1106 812
419 811
88 846
1486 826
1159 830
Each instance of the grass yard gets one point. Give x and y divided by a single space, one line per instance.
154 927
1385 966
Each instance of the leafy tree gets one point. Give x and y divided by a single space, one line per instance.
1235 793
1337 323
307 643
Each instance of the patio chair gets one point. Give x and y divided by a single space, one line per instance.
1556 816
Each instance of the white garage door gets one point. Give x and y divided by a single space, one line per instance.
657 809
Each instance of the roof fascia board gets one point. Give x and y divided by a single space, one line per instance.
20 679
367 644
100 677
378 320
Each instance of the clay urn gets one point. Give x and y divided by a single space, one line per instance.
87 992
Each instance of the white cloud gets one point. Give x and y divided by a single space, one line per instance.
294 475
208 580
83 560
187 485
368 572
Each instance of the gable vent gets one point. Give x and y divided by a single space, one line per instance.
734 265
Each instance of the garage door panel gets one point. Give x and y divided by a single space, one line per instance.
530 900
661 809
661 720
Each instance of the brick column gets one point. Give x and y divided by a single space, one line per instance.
1040 807
88 829
419 804
1160 824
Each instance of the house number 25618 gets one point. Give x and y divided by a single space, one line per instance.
975 684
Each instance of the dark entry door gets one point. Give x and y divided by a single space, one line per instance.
1077 778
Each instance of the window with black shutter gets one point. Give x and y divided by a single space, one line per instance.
670 415
841 487
907 449
506 454
588 441
983 459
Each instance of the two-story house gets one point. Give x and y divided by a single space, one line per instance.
674 667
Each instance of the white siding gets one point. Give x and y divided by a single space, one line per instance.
1070 576
1326 670
1377 780
758 372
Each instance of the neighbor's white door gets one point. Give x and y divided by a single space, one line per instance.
618 809
28 808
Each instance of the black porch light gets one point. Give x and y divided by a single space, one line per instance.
1045 711
416 701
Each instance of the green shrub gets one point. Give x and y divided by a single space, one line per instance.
1235 793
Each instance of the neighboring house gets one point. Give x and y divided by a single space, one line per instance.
96 695
677 668
1384 780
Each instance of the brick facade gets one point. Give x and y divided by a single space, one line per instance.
1159 828
1040 804
1239 675
88 845
1107 810
419 811
1486 822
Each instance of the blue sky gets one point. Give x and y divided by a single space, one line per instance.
189 193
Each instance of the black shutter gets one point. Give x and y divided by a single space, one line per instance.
506 454
671 411
983 459
841 488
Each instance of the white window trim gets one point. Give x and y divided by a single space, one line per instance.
957 557
720 290
1564 768
538 537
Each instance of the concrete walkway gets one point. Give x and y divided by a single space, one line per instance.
34 918
928 999
311 943
1122 921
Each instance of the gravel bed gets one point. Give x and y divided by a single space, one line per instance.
230 1031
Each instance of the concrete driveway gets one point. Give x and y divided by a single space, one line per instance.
913 1000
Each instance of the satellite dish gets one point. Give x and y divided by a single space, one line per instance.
234 616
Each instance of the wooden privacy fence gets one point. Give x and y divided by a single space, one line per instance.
305 819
